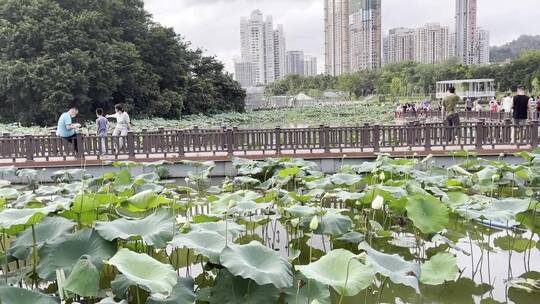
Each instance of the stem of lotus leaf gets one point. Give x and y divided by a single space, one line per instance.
34 255
138 295
346 280
381 291
4 244
248 289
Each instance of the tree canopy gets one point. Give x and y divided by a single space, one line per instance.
515 48
410 78
90 53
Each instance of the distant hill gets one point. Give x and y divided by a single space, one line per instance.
515 48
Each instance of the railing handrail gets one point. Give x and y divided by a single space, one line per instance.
232 141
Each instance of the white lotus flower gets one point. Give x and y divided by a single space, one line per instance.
377 203
314 224
295 222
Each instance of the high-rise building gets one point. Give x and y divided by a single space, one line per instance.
295 63
432 44
244 73
353 37
365 34
452 45
466 27
259 42
280 53
483 46
310 66
336 33
400 45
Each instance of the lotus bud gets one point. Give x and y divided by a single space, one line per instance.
295 222
232 204
377 203
502 155
495 178
382 177
415 154
186 226
428 158
361 256
314 224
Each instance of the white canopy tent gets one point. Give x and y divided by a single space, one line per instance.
469 88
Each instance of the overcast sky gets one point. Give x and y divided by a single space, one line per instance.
214 25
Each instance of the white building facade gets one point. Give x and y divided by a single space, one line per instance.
365 34
336 33
400 45
295 63
263 47
432 43
310 66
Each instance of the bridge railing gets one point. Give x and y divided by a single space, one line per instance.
232 141
465 115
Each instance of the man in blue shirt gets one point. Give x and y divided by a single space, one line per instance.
66 128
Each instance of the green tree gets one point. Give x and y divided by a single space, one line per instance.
57 53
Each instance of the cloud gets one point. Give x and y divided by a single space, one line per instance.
214 25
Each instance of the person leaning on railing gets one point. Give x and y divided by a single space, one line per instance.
67 129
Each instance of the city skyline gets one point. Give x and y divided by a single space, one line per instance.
304 22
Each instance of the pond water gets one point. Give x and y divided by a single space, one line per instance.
281 231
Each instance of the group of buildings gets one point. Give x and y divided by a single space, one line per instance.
264 57
434 43
354 42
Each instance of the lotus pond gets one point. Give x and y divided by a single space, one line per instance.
280 231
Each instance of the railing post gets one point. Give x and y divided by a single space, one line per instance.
80 145
427 137
376 138
131 144
29 147
277 135
507 131
230 142
534 133
181 149
326 136
479 136
145 140
6 145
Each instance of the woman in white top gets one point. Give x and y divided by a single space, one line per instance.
123 125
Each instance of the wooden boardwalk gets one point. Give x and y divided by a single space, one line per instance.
483 137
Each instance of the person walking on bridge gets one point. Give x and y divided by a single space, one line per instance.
66 129
449 106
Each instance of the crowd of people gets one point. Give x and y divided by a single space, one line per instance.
502 105
67 129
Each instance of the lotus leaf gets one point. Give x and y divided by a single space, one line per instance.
440 268
182 294
145 271
207 243
155 229
340 269
392 266
236 290
427 213
14 295
83 279
48 229
21 217
259 263
65 251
